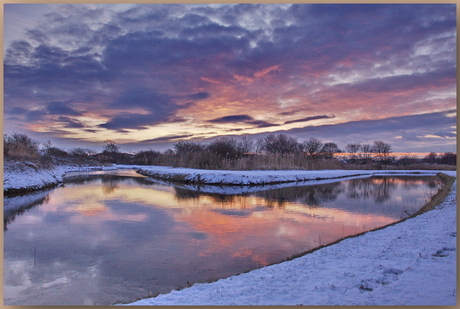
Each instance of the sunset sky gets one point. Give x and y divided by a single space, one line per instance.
149 75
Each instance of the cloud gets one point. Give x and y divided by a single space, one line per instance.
125 121
61 108
232 119
309 119
159 107
16 111
70 123
167 138
293 112
199 96
246 119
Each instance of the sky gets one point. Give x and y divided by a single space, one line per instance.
149 75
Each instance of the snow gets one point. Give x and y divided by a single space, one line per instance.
27 176
256 177
409 263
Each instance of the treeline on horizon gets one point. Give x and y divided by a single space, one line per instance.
270 152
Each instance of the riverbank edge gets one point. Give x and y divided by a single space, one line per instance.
257 177
29 178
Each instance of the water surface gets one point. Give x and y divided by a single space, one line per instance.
116 236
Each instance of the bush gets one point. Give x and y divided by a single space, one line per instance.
20 147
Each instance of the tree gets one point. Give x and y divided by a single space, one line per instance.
225 147
81 152
111 146
312 146
431 158
382 150
184 147
146 157
280 144
50 151
353 148
366 151
245 145
449 158
329 149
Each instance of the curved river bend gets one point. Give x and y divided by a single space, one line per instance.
115 236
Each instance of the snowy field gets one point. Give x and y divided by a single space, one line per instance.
410 263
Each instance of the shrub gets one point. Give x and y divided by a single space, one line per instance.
448 158
20 147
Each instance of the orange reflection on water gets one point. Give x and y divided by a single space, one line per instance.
255 233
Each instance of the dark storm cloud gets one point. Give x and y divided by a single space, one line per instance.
309 119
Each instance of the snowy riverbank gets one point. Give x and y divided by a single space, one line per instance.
409 263
255 177
27 176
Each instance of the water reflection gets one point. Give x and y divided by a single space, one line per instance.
108 238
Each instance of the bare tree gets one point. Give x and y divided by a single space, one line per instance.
245 145
382 150
184 147
312 146
432 157
224 146
110 146
329 149
280 144
366 153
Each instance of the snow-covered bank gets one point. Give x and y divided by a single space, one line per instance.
24 177
254 177
409 263
28 177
